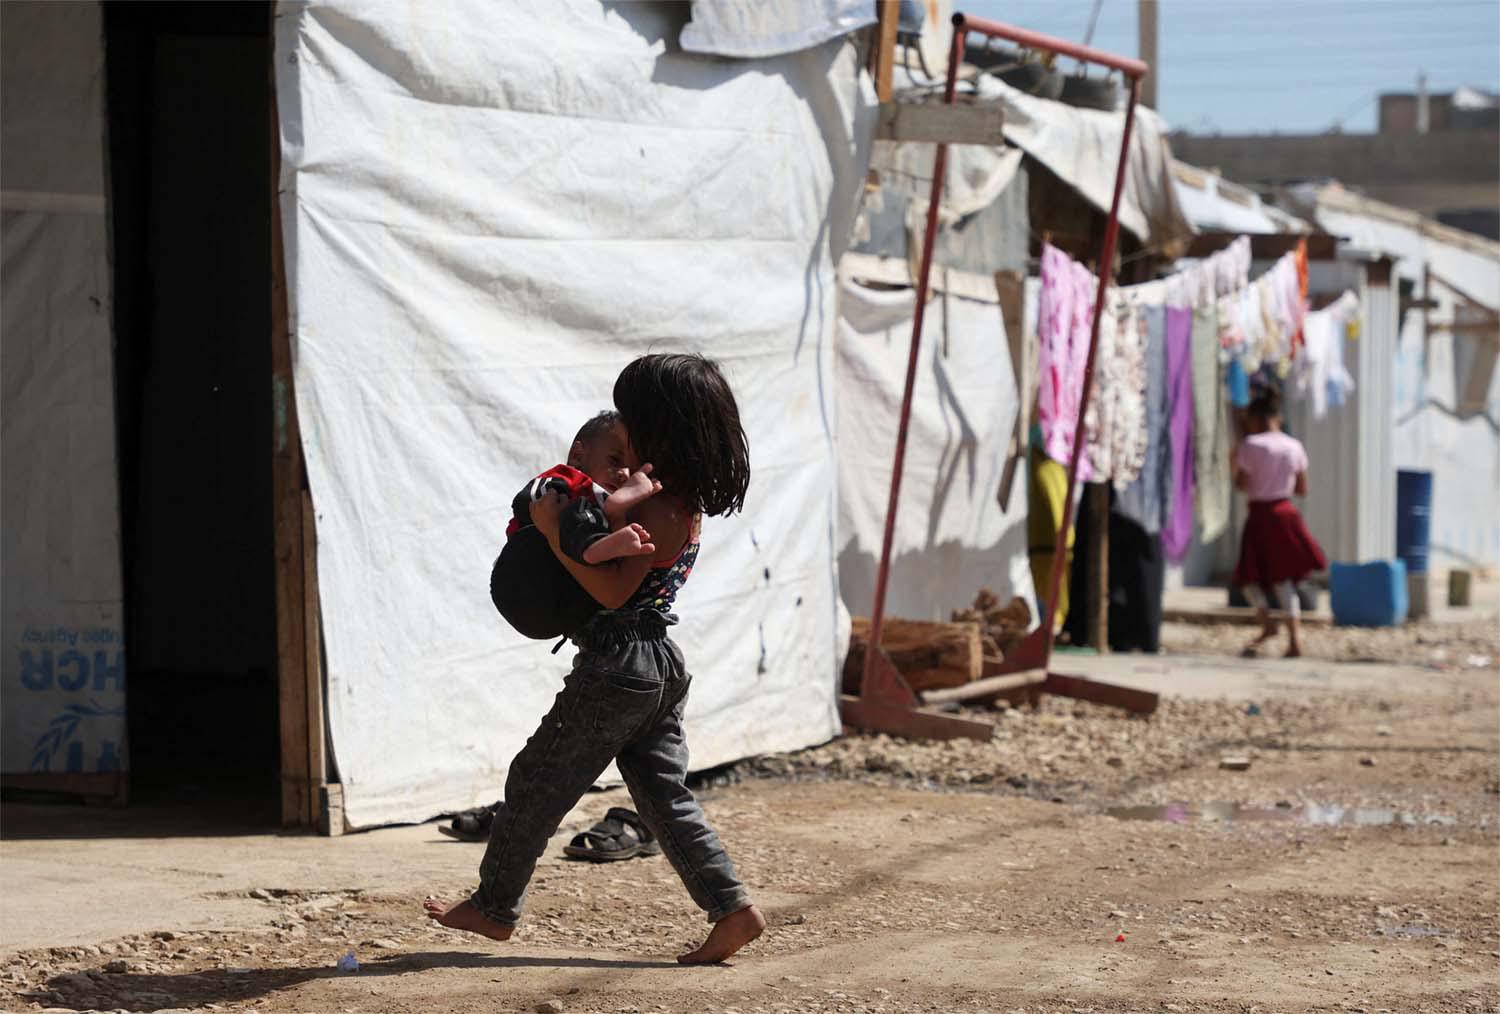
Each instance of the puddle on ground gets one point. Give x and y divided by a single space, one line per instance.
1311 814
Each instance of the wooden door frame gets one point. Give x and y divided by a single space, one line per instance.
299 649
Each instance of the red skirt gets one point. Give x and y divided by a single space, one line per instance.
1276 546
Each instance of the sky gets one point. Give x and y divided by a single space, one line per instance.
1282 66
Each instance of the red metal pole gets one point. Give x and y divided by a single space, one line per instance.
1106 262
1036 40
883 574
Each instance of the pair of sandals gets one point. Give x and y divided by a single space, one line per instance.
620 835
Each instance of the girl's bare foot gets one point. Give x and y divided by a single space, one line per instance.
1267 633
462 915
728 935
632 540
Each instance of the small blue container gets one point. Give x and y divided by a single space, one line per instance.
1238 382
1368 594
1414 519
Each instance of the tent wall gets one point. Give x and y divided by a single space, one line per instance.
485 218
951 536
62 649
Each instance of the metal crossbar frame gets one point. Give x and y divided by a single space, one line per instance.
885 702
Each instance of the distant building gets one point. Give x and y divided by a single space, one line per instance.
1463 109
1443 162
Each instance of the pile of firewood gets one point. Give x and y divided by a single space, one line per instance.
931 655
1000 627
928 654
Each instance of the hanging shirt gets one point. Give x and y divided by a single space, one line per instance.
1144 501
1320 375
1064 320
1116 434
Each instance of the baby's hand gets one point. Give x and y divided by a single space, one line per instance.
637 489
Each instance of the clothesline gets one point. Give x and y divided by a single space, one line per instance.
1170 358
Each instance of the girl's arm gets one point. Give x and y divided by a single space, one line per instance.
1241 477
610 584
1300 488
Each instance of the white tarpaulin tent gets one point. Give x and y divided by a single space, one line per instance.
63 669
486 217
951 536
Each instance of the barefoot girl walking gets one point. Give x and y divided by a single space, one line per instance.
623 699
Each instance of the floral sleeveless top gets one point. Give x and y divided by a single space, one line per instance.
659 588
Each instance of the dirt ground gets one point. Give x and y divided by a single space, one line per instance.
1038 872
1470 644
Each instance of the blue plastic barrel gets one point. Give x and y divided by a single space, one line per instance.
1413 519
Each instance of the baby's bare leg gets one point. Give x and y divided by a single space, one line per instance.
632 540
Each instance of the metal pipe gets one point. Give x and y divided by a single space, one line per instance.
1106 259
1036 40
929 238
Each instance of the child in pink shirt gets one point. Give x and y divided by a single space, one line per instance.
1276 550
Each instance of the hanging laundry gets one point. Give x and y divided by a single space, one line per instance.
1177 529
1300 258
1064 319
1116 435
1200 282
1320 375
1145 500
1212 438
1047 494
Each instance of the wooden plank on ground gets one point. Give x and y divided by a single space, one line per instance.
1240 617
911 722
988 688
111 788
1140 702
941 123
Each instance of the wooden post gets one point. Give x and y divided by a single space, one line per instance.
312 667
885 48
299 797
1146 15
1098 550
1010 287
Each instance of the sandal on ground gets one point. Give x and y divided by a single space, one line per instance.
471 825
620 835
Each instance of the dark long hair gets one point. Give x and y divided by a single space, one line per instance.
683 419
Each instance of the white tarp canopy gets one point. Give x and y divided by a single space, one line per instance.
1213 203
747 28
63 673
1082 147
487 215
951 536
1443 424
